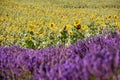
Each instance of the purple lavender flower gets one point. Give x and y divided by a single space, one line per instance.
91 59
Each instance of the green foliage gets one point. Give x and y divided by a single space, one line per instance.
29 44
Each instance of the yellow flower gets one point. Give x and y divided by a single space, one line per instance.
70 33
52 26
32 28
92 16
102 19
115 17
2 37
67 27
11 38
109 17
115 23
77 23
84 27
103 24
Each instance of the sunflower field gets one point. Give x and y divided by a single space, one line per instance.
59 39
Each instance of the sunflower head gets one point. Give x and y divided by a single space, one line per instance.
32 28
92 17
67 27
115 17
52 26
70 33
109 17
77 23
84 27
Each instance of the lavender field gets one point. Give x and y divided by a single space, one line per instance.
59 40
90 59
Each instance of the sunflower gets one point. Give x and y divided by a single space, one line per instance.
32 28
92 17
2 37
67 27
84 27
115 17
70 33
109 17
52 26
77 23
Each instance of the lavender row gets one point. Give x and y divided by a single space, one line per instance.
90 59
